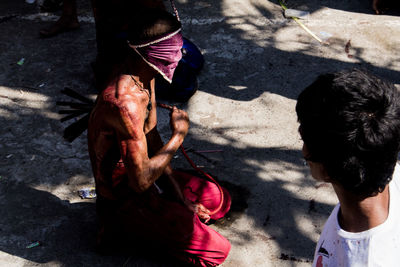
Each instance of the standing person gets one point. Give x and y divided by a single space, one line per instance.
104 11
140 198
350 125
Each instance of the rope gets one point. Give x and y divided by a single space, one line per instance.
175 10
194 166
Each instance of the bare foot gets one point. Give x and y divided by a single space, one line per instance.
379 6
64 24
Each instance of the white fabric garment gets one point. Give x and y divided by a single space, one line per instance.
378 246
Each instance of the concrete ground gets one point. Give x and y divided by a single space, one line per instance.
257 62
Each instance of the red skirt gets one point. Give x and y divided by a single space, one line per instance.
171 226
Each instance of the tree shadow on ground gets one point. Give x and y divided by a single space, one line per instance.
66 231
244 58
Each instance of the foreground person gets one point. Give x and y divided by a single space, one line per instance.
141 200
350 125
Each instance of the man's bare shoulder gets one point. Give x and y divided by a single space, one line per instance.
128 100
125 111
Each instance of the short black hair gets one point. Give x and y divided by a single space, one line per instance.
350 122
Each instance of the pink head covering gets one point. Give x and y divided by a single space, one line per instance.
162 54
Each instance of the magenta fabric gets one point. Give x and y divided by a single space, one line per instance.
162 54
207 194
171 227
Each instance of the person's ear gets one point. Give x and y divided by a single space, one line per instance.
318 171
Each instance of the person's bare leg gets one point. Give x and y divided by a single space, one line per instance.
68 20
375 4
380 6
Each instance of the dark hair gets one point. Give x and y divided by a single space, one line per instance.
149 24
134 25
350 122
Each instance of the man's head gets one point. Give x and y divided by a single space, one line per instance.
157 39
350 123
161 51
152 35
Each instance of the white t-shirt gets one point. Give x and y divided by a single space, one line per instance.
378 246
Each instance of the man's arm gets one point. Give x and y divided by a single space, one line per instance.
155 144
142 170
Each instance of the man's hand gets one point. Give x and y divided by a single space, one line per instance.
199 209
179 122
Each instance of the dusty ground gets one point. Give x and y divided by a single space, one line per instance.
257 62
